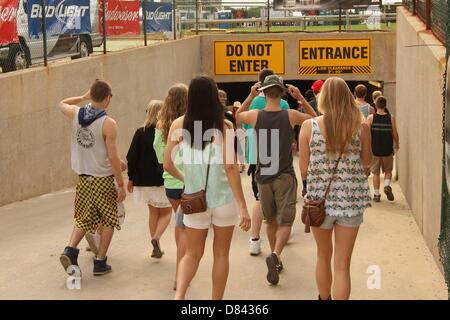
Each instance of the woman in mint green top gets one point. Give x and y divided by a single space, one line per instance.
169 181
174 107
224 196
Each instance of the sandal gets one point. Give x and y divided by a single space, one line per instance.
157 253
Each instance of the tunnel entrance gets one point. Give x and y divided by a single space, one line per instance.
238 91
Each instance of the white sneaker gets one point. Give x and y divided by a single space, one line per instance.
255 247
291 235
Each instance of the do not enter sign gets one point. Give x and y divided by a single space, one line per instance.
248 57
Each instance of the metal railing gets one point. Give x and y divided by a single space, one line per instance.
434 13
36 41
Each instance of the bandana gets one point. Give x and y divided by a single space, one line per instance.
88 114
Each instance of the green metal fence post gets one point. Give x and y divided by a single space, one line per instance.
144 21
44 31
104 25
174 20
196 16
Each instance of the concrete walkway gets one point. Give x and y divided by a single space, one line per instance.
34 233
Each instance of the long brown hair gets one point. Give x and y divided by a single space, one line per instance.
153 109
342 117
203 105
174 107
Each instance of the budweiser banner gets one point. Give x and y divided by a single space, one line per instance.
322 4
122 17
159 17
8 27
62 17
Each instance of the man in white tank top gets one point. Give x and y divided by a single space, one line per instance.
96 161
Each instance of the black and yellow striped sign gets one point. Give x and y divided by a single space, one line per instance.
334 56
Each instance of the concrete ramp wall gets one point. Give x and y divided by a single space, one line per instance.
420 69
35 136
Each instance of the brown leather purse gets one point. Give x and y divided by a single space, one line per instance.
313 213
196 202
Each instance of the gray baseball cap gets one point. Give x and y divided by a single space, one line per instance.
272 81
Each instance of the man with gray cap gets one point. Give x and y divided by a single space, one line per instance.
275 173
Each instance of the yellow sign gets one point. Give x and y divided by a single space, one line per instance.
335 56
248 57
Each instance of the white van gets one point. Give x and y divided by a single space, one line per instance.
16 56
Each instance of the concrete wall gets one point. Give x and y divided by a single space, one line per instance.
34 141
420 69
383 57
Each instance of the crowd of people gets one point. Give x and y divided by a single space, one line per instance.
193 145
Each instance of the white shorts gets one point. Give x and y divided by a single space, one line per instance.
154 196
224 216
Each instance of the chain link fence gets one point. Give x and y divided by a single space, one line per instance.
434 13
442 12
72 29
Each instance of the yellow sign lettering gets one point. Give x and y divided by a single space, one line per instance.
248 57
334 56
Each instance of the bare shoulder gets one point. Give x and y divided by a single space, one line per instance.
228 124
178 123
365 128
109 126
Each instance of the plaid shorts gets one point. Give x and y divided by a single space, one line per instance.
96 202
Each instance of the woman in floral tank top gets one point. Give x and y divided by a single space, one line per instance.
339 133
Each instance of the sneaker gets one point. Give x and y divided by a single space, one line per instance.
388 192
157 253
272 271
280 267
255 247
69 258
377 197
93 241
101 267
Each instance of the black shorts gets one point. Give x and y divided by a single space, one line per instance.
174 194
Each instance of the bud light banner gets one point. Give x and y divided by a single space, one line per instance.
8 27
159 17
122 17
62 17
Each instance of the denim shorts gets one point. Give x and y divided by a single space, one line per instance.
174 194
348 222
179 215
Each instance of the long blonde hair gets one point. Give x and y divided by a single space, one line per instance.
174 107
342 118
153 108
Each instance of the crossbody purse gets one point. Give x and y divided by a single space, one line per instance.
313 213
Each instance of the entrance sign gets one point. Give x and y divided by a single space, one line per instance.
334 56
